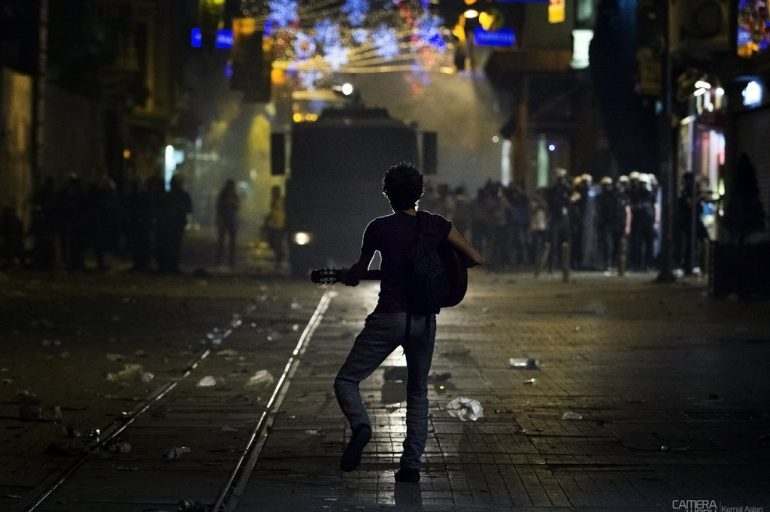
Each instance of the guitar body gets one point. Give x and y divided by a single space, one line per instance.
457 271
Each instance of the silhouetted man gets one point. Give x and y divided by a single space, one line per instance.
175 206
227 221
393 323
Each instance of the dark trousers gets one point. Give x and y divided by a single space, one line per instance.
383 333
226 230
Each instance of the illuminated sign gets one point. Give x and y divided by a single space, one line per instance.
224 38
752 94
502 37
555 11
196 38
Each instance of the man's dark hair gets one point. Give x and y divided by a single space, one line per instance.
403 185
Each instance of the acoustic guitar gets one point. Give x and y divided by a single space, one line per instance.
454 264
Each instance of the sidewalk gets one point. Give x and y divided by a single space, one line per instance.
669 385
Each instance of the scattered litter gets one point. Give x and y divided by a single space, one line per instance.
528 363
577 328
439 377
12 496
215 337
569 415
94 433
119 447
260 379
295 327
465 409
228 428
7 381
530 382
175 452
131 373
207 382
115 358
228 352
51 343
312 432
236 321
191 506
140 353
395 373
295 304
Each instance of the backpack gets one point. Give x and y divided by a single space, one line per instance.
432 278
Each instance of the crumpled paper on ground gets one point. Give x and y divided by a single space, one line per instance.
465 409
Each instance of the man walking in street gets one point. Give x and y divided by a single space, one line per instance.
393 322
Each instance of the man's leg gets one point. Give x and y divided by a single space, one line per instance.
419 353
382 333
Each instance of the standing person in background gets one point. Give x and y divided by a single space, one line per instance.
558 199
227 221
137 219
276 225
606 220
538 224
518 224
175 207
463 212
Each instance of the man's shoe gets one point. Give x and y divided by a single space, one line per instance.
351 458
408 475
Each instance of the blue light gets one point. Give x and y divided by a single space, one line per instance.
224 39
229 69
502 37
551 147
196 38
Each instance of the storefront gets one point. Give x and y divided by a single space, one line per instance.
702 146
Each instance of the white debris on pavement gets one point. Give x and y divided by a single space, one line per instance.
260 379
207 382
465 409
131 373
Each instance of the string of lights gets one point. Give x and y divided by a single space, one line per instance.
318 38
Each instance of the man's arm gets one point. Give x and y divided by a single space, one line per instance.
359 268
472 256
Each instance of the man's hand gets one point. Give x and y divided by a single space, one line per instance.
350 277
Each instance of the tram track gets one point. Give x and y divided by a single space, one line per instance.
226 498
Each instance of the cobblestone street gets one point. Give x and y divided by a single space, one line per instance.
643 397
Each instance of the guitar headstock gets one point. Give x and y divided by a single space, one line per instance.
326 275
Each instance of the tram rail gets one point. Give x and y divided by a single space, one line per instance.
227 497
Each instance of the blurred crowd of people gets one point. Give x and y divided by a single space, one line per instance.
611 224
602 222
75 221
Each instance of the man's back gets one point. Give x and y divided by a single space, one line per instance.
394 235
